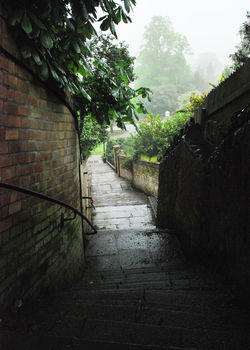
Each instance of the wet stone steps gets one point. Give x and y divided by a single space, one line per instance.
138 291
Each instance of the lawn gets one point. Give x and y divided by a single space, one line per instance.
153 159
98 149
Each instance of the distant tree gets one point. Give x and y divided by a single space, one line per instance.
243 49
200 82
209 67
163 99
161 61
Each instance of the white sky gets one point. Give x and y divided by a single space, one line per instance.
210 25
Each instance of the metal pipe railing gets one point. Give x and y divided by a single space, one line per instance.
50 199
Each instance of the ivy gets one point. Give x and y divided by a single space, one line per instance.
53 35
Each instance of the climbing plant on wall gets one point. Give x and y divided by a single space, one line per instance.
54 34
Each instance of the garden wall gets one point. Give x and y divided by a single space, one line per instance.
204 193
142 174
39 150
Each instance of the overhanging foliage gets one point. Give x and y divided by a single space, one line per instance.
54 35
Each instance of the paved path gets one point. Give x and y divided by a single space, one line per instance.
138 291
118 206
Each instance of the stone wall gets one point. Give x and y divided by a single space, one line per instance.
204 194
39 150
142 174
145 176
125 171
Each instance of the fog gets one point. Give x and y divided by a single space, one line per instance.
210 26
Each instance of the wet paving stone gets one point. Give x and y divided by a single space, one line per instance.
138 290
118 205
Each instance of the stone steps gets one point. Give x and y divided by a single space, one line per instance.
172 305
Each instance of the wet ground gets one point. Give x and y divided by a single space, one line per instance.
138 292
118 205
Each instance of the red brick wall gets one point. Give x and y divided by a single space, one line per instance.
39 151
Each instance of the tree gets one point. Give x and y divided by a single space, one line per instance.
53 35
199 82
243 49
109 85
91 135
112 97
209 67
163 99
161 61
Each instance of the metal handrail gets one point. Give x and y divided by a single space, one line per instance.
50 199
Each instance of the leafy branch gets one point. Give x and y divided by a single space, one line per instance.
54 35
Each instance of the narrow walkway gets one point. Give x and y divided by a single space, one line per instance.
118 206
138 292
124 222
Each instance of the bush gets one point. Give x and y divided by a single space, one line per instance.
126 144
155 136
157 133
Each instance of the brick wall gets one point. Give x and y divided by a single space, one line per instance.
39 151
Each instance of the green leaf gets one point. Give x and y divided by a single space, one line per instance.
46 40
26 25
82 71
26 51
36 57
70 25
125 78
85 94
85 48
124 17
84 10
118 15
89 30
44 74
76 46
53 73
67 43
112 28
127 5
105 24
86 65
102 18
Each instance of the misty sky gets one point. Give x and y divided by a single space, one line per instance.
210 26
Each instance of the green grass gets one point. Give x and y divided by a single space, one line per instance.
98 149
153 159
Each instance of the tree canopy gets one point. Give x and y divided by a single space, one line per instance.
109 84
243 49
161 61
111 95
54 35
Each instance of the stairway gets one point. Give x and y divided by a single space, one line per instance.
137 293
154 302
